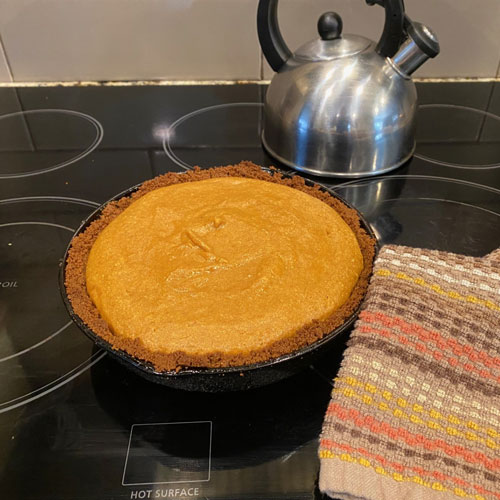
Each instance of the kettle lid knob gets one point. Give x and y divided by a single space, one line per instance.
330 26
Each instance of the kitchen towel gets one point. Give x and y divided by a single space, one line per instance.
415 408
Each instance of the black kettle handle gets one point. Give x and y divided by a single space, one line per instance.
273 46
394 32
277 53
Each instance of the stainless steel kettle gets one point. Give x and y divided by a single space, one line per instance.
341 105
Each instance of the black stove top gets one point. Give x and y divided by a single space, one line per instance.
76 425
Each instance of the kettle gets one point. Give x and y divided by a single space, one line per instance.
341 105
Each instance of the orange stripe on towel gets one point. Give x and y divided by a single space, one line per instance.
329 444
437 354
443 343
400 433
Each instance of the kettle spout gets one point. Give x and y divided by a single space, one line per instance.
420 45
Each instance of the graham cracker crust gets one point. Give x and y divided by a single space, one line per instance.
83 306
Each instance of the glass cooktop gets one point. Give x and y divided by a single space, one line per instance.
74 424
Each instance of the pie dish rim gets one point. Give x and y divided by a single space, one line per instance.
141 362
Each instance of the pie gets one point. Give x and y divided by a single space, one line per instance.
220 267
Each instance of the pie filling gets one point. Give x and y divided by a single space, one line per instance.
219 267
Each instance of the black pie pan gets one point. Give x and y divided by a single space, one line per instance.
233 378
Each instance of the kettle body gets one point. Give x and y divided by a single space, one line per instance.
340 106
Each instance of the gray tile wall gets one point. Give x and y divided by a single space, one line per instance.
53 40
468 30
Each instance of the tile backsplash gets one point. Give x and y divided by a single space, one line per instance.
468 30
66 40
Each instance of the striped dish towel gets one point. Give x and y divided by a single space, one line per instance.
415 409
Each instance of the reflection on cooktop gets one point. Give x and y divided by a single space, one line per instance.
76 424
252 427
458 136
38 342
444 214
244 120
38 141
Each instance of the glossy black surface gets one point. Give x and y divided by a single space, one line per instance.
75 424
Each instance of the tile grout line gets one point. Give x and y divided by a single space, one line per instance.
174 83
16 92
488 104
24 120
7 62
151 162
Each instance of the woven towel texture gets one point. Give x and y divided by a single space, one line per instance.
415 409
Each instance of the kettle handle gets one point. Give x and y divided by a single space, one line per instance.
273 46
394 33
277 53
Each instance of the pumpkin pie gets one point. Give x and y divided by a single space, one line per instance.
219 267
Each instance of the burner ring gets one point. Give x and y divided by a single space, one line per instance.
31 350
166 141
58 331
485 114
99 131
52 386
428 211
